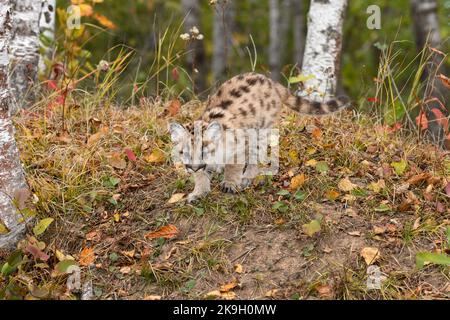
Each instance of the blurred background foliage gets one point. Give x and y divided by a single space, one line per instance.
138 24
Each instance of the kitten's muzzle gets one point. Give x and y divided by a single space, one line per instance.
195 167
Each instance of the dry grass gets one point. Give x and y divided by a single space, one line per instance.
101 199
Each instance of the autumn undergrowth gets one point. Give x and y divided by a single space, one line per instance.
351 190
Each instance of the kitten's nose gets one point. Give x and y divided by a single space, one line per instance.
196 167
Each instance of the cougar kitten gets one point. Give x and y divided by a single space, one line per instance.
247 101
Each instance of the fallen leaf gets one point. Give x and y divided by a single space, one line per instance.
177 197
370 254
157 156
216 294
37 254
418 179
324 291
311 228
238 268
332 195
116 160
167 232
125 270
297 181
379 230
355 233
97 136
400 166
416 224
87 256
93 236
130 253
229 286
346 185
271 293
130 154
152 297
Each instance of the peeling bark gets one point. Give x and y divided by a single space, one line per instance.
323 46
12 179
24 52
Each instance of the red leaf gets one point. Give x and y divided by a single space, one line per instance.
130 154
37 254
440 118
422 121
52 85
175 74
174 107
395 127
374 99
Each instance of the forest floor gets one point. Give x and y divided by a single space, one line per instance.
350 193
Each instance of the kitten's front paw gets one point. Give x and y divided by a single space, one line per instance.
192 198
228 187
246 182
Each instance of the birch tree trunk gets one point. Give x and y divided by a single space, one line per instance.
323 46
223 27
275 39
24 52
426 31
196 57
299 31
47 28
12 179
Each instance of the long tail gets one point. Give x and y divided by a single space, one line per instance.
304 106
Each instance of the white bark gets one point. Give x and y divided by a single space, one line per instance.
299 31
47 30
24 52
223 27
323 46
12 179
275 39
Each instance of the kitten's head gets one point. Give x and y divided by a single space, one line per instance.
195 145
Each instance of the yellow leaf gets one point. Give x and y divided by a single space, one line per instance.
238 268
177 197
152 297
157 156
87 257
298 181
370 254
332 195
116 217
346 185
311 163
229 286
377 186
85 10
3 229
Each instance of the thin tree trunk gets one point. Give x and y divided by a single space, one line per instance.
426 31
24 52
12 179
195 59
47 31
275 39
323 46
223 27
299 31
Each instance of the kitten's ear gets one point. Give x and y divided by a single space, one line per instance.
177 131
213 131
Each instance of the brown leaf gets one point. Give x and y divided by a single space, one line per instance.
117 161
87 257
97 136
324 291
177 197
445 80
238 268
168 232
346 185
418 179
157 156
36 252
